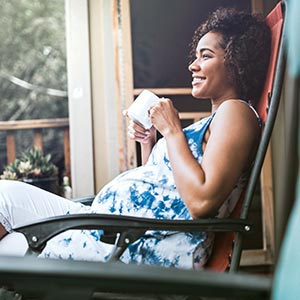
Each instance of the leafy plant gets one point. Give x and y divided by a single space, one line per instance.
32 164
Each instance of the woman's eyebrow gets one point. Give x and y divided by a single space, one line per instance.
204 49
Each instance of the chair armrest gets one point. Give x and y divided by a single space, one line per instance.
131 228
57 278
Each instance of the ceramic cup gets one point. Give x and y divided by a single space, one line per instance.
138 110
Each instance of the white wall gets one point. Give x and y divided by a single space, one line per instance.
92 96
103 91
79 89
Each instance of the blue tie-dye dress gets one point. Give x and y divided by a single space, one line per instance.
146 191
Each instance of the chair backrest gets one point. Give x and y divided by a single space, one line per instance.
228 246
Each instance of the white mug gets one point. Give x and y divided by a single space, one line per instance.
138 110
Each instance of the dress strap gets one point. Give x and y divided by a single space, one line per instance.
255 112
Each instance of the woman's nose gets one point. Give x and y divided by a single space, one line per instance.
193 66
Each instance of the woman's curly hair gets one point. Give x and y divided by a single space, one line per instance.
246 40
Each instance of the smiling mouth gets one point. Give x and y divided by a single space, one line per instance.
198 79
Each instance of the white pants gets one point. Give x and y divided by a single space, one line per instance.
22 203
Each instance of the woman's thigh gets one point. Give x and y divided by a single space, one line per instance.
21 203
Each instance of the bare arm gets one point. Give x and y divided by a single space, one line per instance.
234 133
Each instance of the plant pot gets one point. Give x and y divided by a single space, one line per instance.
49 184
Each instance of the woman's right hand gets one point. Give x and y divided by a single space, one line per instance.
146 137
140 134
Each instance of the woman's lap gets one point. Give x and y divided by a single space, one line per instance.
21 203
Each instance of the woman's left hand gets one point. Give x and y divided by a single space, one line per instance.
164 117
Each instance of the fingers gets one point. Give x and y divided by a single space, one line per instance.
138 137
137 132
162 103
162 108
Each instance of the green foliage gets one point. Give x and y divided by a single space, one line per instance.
32 164
32 48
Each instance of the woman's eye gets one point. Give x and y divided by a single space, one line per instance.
205 56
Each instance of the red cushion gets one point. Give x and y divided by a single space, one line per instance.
274 20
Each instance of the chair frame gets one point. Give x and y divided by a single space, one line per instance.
63 279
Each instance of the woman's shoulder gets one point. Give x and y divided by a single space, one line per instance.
238 111
237 114
237 104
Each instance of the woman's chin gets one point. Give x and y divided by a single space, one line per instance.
197 92
197 95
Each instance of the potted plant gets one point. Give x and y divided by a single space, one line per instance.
34 168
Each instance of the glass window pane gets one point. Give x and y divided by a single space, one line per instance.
33 71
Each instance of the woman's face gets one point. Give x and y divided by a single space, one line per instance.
210 76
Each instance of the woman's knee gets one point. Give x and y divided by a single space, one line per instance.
13 244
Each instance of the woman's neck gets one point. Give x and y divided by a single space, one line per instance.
216 103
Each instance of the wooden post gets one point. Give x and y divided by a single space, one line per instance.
268 204
10 146
67 152
38 139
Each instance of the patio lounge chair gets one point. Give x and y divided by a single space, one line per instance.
39 233
86 278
